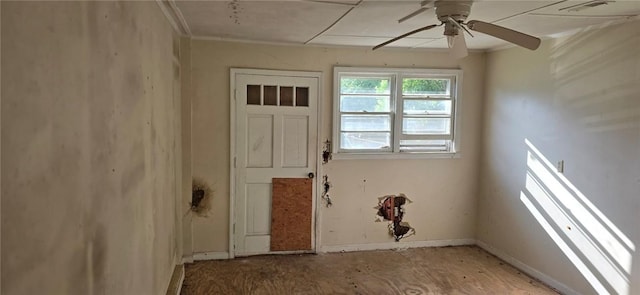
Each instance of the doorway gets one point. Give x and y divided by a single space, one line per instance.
274 132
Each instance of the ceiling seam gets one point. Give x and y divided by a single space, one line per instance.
331 2
528 11
585 15
334 23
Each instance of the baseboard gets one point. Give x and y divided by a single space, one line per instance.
187 259
177 278
396 245
210 256
564 289
181 281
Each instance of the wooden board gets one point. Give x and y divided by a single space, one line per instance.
291 214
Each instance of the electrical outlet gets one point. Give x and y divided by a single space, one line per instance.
560 166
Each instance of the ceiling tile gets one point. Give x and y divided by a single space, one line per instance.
274 21
372 22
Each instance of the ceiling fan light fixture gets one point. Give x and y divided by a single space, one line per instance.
451 41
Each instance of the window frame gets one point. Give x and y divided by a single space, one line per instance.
396 76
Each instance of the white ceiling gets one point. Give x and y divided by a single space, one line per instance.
370 22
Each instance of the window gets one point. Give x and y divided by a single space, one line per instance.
395 111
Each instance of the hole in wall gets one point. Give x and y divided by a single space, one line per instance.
391 209
201 194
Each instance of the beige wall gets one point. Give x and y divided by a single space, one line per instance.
89 123
443 190
576 99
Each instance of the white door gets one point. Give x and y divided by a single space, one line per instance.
276 137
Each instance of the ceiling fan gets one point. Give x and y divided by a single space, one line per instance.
453 14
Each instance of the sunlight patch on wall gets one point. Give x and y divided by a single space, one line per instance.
599 250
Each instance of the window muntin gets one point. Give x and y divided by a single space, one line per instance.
395 110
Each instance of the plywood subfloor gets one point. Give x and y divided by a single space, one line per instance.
448 270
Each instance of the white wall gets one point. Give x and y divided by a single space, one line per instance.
576 99
443 190
89 152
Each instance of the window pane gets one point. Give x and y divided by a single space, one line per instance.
365 104
426 125
253 94
286 96
424 145
427 107
302 96
364 85
365 141
366 123
421 86
270 95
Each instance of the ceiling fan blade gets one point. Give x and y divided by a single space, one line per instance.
405 35
459 49
503 33
410 15
425 5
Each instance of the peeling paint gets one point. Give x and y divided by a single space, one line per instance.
325 191
391 208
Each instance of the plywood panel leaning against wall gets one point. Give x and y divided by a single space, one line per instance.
291 214
89 123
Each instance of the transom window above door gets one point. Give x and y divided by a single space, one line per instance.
381 112
274 95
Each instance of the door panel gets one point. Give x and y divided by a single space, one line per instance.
294 142
258 220
276 137
260 137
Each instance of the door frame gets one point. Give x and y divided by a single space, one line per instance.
315 233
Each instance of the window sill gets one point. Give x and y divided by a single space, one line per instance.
394 156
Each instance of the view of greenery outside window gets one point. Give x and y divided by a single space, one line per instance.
395 110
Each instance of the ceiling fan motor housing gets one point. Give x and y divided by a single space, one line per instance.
457 10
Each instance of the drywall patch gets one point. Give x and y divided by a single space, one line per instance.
201 194
391 208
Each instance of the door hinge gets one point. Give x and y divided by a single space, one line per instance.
235 94
234 229
234 162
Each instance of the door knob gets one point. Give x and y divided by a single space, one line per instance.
311 175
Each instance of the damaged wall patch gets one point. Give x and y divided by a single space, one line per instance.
201 195
391 208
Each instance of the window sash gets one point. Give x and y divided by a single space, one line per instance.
440 143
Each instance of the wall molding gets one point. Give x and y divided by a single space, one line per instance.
562 288
209 256
176 280
174 16
396 245
181 280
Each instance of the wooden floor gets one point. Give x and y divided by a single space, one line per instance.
448 270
